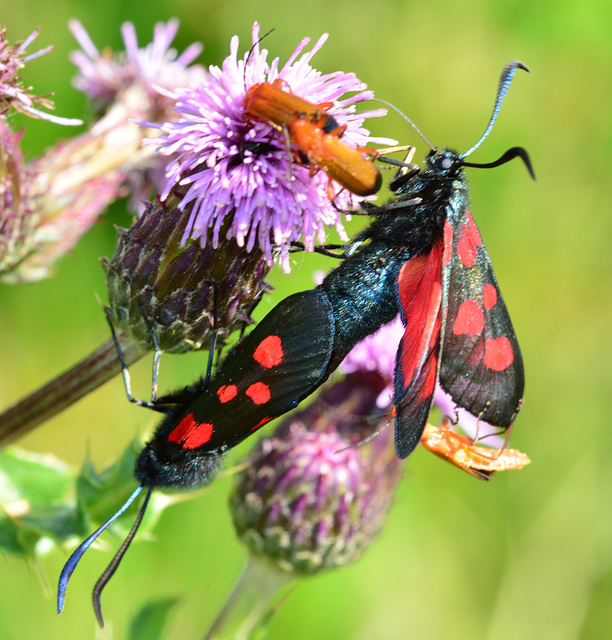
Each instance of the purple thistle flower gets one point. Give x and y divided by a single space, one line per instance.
12 91
102 77
222 170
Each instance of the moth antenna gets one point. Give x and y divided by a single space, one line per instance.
502 90
114 563
407 119
515 152
77 554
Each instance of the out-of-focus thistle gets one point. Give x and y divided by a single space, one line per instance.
316 492
13 94
72 183
17 215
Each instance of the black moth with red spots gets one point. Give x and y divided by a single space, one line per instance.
421 256
458 330
266 375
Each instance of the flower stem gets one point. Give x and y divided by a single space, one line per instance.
67 388
248 604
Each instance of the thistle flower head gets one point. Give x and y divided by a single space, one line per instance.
238 177
103 76
310 498
13 93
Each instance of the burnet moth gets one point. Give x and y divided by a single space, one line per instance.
265 375
458 330
315 134
422 255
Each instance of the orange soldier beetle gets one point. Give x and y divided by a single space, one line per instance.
316 134
463 453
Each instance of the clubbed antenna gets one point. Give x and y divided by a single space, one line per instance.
114 563
502 90
515 152
77 554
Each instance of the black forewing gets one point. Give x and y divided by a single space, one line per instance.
481 365
304 325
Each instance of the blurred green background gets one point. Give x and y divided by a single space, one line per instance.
528 555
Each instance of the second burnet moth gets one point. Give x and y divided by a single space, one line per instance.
422 255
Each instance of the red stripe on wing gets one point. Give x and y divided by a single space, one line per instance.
416 370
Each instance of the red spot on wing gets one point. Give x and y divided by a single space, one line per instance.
227 392
498 353
470 319
259 393
466 248
199 436
261 423
179 433
473 231
190 432
269 352
489 296
448 242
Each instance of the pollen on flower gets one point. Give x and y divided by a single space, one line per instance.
235 175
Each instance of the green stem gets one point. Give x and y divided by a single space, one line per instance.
58 394
249 602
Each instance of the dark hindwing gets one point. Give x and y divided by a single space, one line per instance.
481 365
270 370
416 367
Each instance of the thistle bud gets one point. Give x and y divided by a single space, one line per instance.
154 278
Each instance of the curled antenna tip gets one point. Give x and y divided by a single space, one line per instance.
78 553
502 89
515 152
517 64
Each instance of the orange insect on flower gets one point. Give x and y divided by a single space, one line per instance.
316 135
463 453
